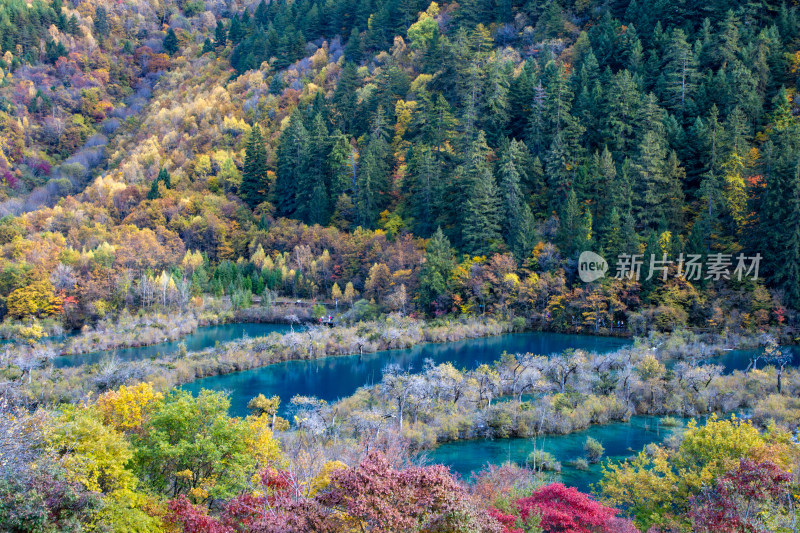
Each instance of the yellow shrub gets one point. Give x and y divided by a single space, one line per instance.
127 408
261 441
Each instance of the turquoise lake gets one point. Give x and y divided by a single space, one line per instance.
620 439
202 338
740 359
331 378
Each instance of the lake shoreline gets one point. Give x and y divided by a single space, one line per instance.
188 323
489 349
69 384
369 348
244 317
366 350
241 318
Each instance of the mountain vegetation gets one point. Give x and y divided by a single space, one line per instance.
439 159
416 171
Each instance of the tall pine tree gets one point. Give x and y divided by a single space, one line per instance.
425 194
372 185
436 272
312 188
481 219
518 224
292 165
345 101
171 42
255 183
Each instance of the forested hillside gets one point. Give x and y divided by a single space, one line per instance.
408 173
401 155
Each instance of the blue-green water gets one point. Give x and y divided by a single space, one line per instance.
740 359
620 439
331 378
200 339
49 338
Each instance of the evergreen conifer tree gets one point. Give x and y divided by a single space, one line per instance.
292 161
344 98
424 189
372 185
436 272
517 220
171 42
254 187
163 177
220 35
482 216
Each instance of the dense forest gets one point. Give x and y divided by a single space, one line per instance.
451 158
407 172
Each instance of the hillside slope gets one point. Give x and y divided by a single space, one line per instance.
526 132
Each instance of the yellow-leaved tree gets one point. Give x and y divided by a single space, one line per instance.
95 455
655 486
263 446
323 478
36 299
127 408
263 406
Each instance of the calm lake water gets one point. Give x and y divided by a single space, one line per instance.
331 378
620 439
48 338
740 359
201 339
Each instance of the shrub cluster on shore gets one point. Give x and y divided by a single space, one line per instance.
129 331
155 326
